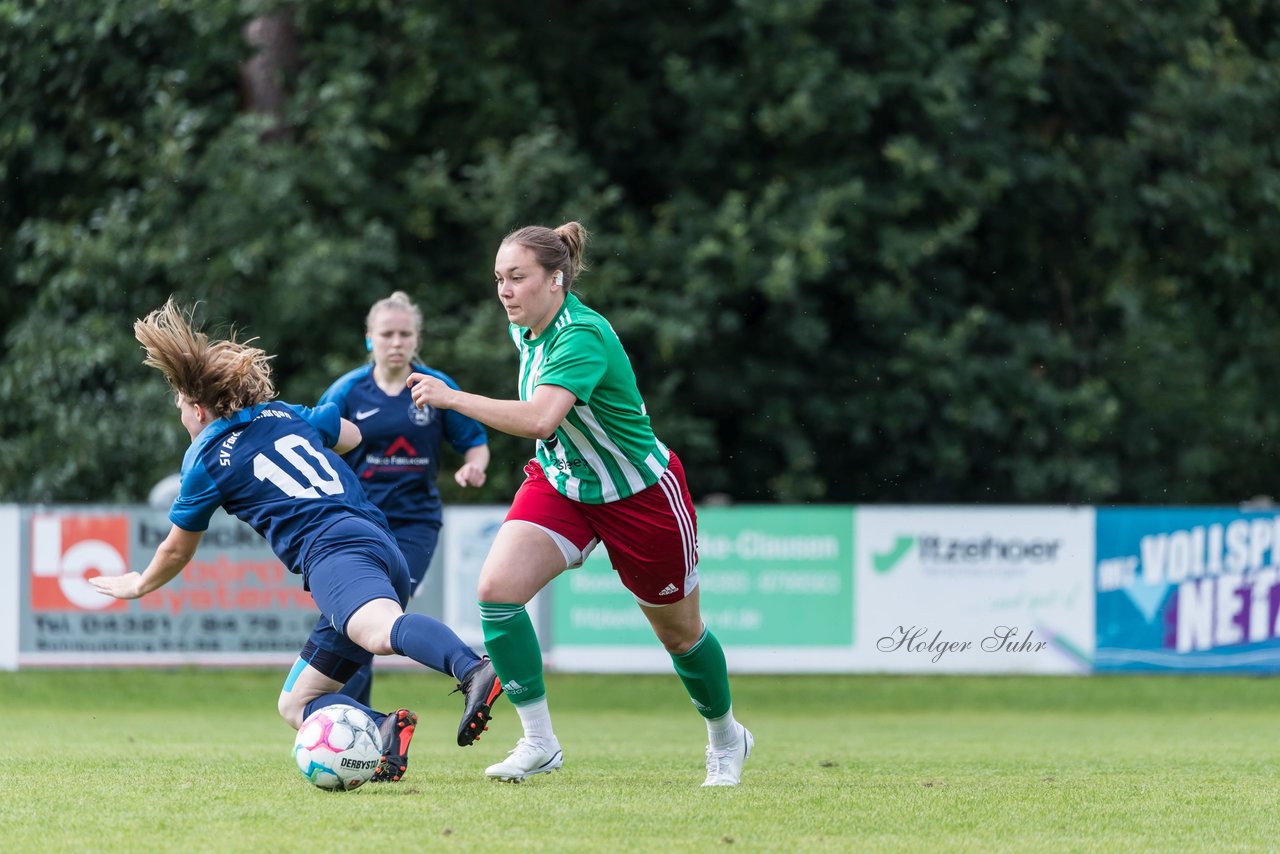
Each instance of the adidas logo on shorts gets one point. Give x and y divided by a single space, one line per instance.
668 590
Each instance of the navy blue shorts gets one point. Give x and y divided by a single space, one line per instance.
418 545
355 562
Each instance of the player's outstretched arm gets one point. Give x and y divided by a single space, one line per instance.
170 558
535 418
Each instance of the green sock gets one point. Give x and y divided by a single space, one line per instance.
705 676
513 647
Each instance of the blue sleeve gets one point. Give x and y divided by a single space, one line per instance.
461 432
338 392
198 496
324 418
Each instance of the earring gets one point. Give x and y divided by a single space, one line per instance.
559 279
368 344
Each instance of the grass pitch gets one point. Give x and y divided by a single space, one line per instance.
191 760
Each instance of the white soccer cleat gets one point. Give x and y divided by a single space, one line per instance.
724 767
529 757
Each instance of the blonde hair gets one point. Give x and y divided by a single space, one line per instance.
398 301
562 248
225 376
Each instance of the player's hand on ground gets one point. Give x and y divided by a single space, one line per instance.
429 391
469 474
127 586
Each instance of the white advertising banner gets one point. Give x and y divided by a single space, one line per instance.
982 590
786 589
465 539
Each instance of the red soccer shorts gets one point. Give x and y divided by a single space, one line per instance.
652 536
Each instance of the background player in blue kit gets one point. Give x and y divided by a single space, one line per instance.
270 464
398 457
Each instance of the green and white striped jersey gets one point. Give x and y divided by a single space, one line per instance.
604 449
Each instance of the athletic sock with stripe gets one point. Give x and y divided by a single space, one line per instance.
513 648
705 676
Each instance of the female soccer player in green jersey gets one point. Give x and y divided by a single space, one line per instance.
599 475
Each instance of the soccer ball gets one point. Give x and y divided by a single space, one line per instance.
338 747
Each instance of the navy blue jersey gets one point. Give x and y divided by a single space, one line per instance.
270 465
398 457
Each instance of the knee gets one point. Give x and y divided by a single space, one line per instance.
504 582
677 646
488 590
380 647
291 708
499 587
678 640
370 627
376 640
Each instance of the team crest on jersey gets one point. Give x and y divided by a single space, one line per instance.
421 417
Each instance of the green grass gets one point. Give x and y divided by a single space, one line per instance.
198 761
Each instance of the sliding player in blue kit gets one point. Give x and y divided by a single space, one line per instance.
270 464
398 457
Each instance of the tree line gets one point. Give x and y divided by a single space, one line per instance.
859 251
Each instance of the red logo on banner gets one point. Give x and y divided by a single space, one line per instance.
68 550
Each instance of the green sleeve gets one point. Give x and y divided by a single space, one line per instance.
576 361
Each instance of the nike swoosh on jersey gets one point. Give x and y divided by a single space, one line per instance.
365 413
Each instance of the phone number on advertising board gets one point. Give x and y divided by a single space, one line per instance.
156 624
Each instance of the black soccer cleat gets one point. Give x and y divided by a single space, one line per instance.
480 689
396 730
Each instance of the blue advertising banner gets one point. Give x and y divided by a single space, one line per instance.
1191 589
